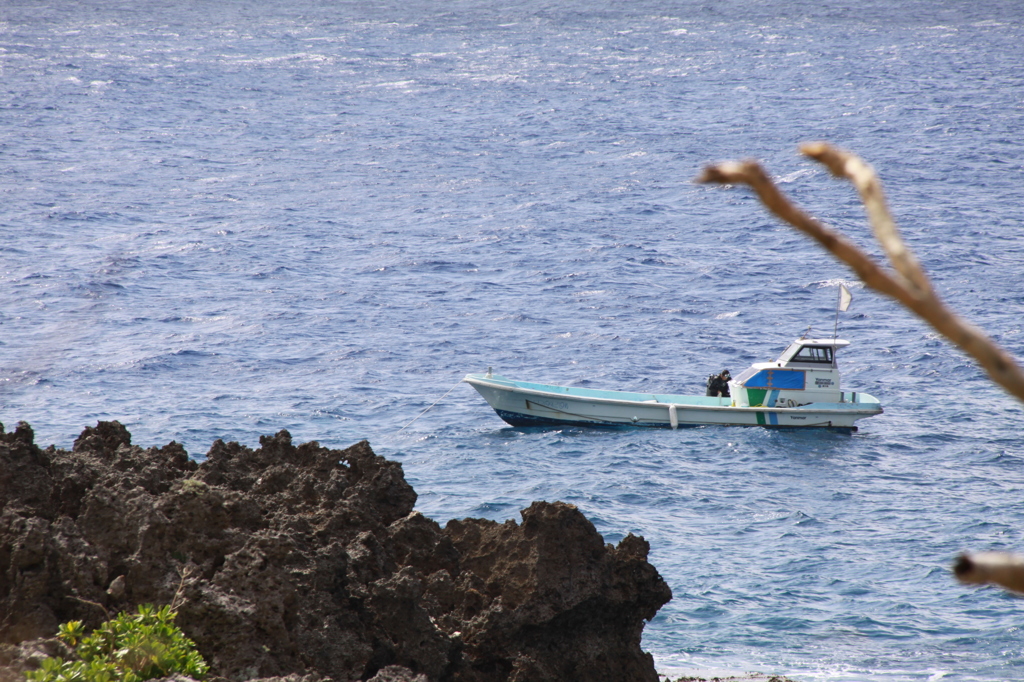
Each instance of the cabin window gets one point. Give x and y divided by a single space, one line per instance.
817 354
746 374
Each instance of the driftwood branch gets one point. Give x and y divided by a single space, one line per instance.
844 165
991 568
907 283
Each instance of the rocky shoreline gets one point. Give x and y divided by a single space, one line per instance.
306 562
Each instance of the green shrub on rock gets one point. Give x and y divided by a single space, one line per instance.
130 648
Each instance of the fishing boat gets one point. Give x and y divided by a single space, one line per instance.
798 390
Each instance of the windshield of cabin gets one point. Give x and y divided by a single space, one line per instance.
816 354
746 374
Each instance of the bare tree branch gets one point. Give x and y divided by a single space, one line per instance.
908 283
846 165
991 568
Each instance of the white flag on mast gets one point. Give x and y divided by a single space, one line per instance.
844 297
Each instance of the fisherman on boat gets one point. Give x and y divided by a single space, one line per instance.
718 384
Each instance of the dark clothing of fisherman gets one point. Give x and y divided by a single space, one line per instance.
718 384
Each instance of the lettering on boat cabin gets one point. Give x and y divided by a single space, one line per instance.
822 382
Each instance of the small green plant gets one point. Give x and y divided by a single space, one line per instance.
194 486
129 648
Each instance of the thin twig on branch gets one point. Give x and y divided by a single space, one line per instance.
844 165
906 282
991 568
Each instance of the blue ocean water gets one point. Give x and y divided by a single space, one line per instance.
223 219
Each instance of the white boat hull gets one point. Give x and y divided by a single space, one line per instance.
523 403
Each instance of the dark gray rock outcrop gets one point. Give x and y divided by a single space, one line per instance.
306 562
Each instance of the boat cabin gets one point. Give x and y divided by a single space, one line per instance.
806 372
